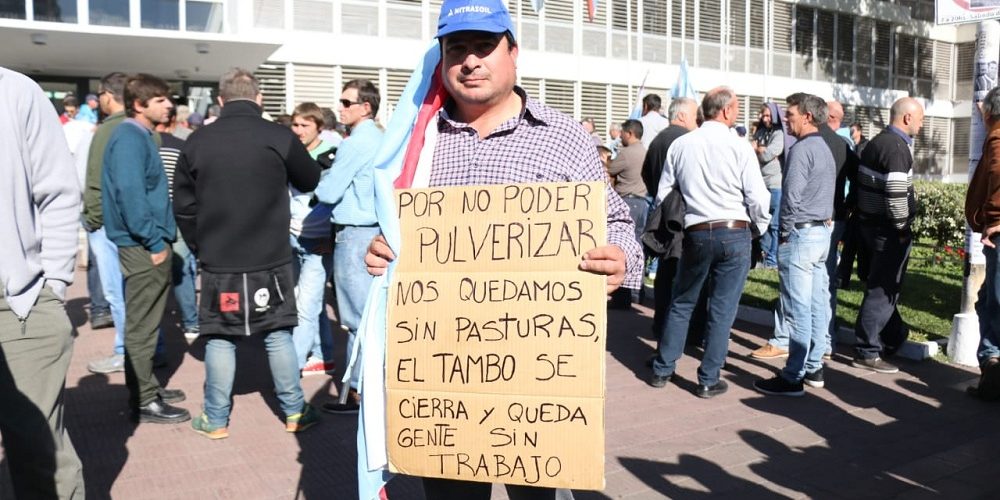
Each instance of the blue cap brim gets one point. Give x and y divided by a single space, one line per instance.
488 27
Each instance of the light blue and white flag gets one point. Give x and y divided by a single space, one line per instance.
683 87
389 165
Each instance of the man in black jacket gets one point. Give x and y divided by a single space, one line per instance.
232 207
683 114
886 207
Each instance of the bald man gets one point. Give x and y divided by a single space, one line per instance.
886 207
835 120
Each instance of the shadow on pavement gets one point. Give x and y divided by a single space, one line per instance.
100 437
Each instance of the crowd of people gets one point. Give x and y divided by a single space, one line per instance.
269 212
785 197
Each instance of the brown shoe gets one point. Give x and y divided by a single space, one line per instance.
769 352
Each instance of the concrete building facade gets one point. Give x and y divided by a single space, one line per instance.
863 53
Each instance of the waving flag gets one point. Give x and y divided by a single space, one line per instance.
637 105
683 87
395 165
591 9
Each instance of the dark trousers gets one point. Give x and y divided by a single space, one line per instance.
721 256
880 329
146 288
33 364
452 489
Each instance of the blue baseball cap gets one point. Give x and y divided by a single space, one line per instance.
490 16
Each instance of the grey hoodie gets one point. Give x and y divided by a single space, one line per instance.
772 159
39 222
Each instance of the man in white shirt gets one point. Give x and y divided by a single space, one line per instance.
652 121
726 202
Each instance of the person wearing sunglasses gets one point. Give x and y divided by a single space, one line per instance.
351 192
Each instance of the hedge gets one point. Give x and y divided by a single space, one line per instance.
940 213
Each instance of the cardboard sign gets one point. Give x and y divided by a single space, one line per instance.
496 340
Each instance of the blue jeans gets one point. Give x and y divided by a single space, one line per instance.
803 287
113 284
185 270
769 240
780 338
988 307
98 304
638 208
312 336
220 370
351 279
724 256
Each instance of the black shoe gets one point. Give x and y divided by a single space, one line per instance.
876 364
158 412
101 320
988 388
778 386
170 396
159 360
349 407
814 379
711 391
658 381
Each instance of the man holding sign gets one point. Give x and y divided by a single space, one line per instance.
490 132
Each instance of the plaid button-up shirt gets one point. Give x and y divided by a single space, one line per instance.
539 145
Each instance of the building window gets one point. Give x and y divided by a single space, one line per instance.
359 19
57 11
109 12
654 17
160 14
624 14
312 15
203 16
757 35
269 14
12 9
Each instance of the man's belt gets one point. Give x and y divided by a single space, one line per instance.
718 224
812 223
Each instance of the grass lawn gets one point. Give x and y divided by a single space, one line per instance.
932 293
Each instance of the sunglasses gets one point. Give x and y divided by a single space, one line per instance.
345 103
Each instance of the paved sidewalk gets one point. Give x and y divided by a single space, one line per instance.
911 435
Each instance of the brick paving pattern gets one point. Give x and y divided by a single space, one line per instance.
914 434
